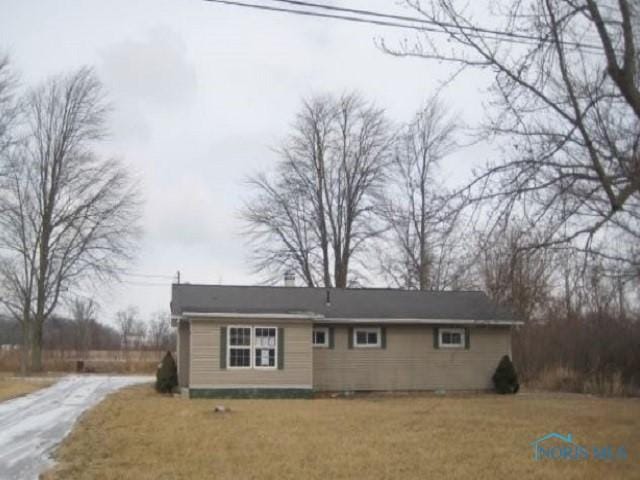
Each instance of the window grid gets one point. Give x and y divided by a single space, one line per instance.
320 337
451 338
265 339
252 347
366 337
239 347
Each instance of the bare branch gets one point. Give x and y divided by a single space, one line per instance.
71 217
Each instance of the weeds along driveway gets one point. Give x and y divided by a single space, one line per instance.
31 426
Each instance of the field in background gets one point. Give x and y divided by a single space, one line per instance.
11 387
563 379
95 361
137 433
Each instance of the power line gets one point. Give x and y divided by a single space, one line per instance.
425 25
311 13
409 19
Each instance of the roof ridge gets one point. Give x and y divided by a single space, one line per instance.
281 287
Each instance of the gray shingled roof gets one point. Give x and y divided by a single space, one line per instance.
348 303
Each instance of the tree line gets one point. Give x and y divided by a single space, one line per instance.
82 331
549 226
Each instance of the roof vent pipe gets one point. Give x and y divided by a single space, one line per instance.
289 279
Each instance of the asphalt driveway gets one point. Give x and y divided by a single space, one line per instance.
31 426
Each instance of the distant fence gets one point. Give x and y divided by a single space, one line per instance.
92 361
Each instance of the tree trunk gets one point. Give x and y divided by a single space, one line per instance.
341 275
424 261
24 349
36 346
342 264
41 279
338 275
86 339
322 220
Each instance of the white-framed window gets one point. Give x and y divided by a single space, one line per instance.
366 337
320 337
451 337
252 347
239 347
265 347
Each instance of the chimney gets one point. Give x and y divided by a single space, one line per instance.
289 279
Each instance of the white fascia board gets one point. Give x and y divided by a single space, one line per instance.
438 321
261 316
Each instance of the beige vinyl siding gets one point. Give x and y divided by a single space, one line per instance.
205 357
410 361
183 354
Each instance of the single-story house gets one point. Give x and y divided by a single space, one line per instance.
292 341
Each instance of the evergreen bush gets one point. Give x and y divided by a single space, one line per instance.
167 375
505 378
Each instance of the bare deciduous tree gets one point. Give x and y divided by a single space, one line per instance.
159 331
130 326
318 211
69 217
8 105
420 216
280 215
518 278
566 103
83 311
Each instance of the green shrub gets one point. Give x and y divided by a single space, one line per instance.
167 375
506 379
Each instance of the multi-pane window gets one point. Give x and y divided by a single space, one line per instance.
321 337
451 337
265 346
240 347
366 337
252 347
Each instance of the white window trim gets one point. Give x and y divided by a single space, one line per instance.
451 345
229 347
377 330
326 337
252 348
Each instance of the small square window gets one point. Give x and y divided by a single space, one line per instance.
366 337
320 337
451 337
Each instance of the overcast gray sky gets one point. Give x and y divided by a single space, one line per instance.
200 94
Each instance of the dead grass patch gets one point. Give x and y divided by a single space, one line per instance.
137 433
12 387
564 379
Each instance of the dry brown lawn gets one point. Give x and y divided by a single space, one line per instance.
11 387
139 434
